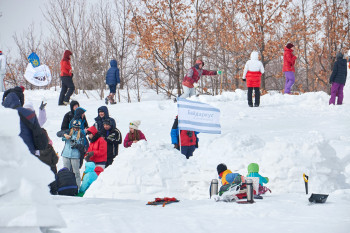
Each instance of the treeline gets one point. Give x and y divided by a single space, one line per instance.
156 41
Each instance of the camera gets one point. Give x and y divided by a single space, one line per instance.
73 144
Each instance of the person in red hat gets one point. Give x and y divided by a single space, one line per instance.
192 77
97 151
2 71
288 67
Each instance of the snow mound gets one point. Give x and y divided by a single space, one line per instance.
25 201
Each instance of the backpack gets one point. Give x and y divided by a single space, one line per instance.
40 137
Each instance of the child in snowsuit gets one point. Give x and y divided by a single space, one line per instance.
97 151
288 67
228 179
89 177
113 137
253 70
338 79
253 171
189 139
112 80
134 134
70 154
64 184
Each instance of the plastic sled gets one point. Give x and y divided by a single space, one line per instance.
318 198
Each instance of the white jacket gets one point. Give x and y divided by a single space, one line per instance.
2 63
253 64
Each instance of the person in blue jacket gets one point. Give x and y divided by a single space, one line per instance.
112 79
90 175
13 101
253 171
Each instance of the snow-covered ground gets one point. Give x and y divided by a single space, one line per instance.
287 136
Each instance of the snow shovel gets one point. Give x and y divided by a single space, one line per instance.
306 179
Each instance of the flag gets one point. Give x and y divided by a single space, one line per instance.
34 59
197 116
38 76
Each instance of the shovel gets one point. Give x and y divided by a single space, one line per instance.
306 179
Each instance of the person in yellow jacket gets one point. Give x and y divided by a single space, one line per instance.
226 176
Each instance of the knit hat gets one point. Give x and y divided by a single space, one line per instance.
76 124
253 167
134 124
221 168
289 45
107 122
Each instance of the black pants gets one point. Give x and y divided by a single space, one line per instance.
257 95
67 89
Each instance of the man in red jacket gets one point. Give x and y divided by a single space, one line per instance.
192 77
97 151
66 78
288 67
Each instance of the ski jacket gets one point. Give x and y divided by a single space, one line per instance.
262 180
68 151
42 113
340 70
99 121
18 91
128 143
68 117
253 70
227 177
113 138
112 76
98 145
193 75
66 68
89 176
188 138
12 101
288 60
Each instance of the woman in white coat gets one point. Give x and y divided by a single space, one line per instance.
253 70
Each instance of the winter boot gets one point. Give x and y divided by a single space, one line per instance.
250 105
111 99
106 100
256 105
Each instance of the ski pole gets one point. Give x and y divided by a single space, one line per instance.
306 179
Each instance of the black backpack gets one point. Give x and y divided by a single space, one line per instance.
40 137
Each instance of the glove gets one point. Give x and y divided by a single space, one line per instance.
111 137
219 72
267 179
195 85
244 80
88 156
42 105
176 146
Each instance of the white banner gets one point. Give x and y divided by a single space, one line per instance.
197 116
38 76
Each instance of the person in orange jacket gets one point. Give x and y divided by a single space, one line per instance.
97 151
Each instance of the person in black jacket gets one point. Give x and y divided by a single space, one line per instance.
113 137
70 115
338 79
64 183
102 115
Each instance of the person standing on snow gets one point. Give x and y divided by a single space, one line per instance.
112 80
66 78
192 77
19 91
288 67
97 151
189 139
113 137
253 70
134 134
2 71
68 117
103 114
338 79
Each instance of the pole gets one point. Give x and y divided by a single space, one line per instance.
306 180
221 83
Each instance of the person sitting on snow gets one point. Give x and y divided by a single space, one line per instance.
228 179
64 184
90 175
134 134
97 151
189 139
103 115
253 171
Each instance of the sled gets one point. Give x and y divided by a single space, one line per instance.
318 198
162 201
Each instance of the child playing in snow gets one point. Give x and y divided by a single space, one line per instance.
338 79
230 181
90 175
253 171
134 134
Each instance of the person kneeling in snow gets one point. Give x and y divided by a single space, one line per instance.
134 134
90 175
189 139
64 184
230 181
253 171
97 151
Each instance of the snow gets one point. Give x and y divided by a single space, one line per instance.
287 136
